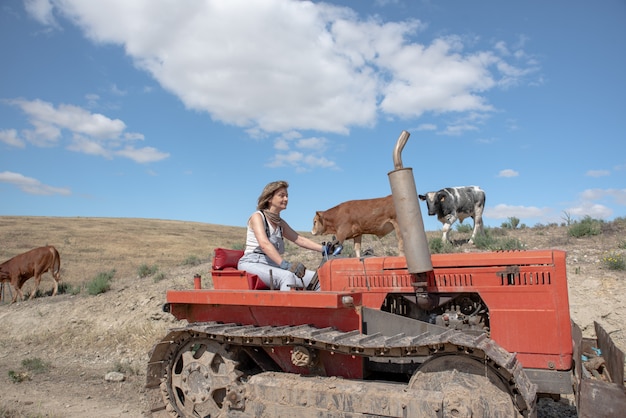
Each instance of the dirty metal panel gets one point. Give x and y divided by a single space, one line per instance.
613 356
387 324
601 400
596 398
551 381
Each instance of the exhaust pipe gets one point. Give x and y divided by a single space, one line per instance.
409 216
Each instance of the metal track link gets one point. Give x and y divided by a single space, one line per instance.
479 347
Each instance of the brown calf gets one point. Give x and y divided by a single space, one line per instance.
35 262
354 218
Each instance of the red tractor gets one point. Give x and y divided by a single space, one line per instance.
450 335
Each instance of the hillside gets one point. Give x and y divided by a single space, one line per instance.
79 338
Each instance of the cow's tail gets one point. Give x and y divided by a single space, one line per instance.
56 264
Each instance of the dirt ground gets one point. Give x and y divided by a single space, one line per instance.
79 338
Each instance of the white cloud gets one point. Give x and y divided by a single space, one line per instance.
281 144
427 127
9 137
598 173
436 78
311 66
41 11
87 146
117 91
594 210
92 99
321 162
306 156
142 155
511 124
300 161
50 120
486 141
617 195
30 185
312 143
503 211
508 173
290 158
455 130
90 133
595 203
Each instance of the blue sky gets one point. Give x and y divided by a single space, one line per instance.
185 110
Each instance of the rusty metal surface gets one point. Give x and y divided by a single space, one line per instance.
601 400
353 343
613 356
596 397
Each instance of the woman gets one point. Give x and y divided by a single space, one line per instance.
265 242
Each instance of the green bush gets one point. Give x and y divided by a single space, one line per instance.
18 377
510 244
585 227
65 288
101 283
496 232
464 228
512 223
126 368
489 242
192 260
35 365
439 246
159 276
144 270
614 261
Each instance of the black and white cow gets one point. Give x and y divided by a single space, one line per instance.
454 203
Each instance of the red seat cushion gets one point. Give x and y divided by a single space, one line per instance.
226 258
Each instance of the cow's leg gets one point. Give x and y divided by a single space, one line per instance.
478 225
55 278
37 281
18 293
357 245
56 285
447 226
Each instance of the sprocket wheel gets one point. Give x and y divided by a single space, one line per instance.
201 380
470 388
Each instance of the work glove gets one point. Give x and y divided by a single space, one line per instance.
331 248
296 268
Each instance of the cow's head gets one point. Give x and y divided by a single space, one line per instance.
318 224
432 201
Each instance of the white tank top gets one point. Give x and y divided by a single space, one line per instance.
275 237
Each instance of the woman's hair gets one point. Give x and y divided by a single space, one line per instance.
268 193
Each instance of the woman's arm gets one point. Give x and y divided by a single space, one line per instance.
300 240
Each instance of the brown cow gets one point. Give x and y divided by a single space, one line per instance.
35 262
355 218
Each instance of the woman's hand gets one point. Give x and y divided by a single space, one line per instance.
296 268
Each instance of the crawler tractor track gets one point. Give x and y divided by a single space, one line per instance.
196 368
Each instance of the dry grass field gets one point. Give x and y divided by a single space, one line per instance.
56 351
